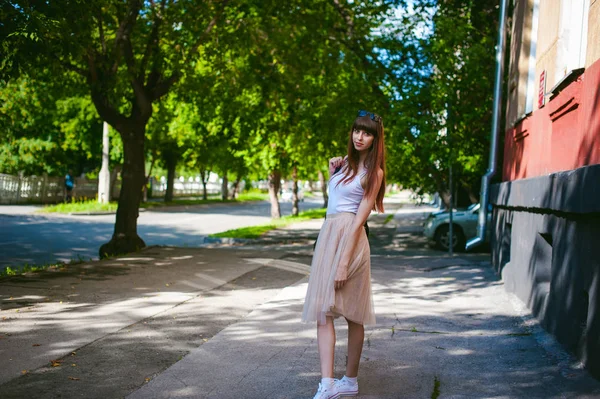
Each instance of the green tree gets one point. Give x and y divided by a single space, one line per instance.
46 130
129 54
445 112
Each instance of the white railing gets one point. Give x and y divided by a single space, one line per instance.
47 190
185 189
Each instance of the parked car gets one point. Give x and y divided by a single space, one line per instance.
437 227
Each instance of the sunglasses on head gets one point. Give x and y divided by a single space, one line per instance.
374 117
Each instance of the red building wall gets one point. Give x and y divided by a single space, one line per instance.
562 135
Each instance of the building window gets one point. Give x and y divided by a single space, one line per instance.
531 78
572 37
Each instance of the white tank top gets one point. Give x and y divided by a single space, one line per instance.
345 197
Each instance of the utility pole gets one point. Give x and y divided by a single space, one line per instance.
104 176
451 228
450 126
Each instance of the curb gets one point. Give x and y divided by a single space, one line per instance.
97 213
226 240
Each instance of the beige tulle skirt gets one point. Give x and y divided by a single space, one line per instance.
355 300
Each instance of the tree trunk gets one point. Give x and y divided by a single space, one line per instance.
295 209
323 189
204 177
224 187
113 179
145 195
145 191
236 188
274 186
473 196
444 195
171 166
125 238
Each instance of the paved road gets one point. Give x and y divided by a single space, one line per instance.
27 238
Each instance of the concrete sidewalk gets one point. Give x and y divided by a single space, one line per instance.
224 322
450 325
100 329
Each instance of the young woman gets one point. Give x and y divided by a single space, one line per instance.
340 277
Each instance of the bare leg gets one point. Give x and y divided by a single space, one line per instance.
326 342
356 337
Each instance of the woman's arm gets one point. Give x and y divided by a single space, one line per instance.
364 210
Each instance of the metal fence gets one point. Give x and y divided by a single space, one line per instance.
48 190
45 189
184 189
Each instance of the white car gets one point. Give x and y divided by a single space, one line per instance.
437 227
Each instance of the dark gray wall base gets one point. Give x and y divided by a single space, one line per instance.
575 191
550 257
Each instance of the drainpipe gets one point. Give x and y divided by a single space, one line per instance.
497 107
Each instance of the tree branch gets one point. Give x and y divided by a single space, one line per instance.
142 100
137 85
101 31
127 23
157 84
152 44
105 109
163 86
125 27
353 44
129 57
346 16
210 26
71 67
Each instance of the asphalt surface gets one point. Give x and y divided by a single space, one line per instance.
224 322
36 239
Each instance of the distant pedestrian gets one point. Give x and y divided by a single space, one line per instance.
69 184
340 277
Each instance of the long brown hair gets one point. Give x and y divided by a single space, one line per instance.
375 158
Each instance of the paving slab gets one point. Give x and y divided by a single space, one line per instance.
47 316
454 327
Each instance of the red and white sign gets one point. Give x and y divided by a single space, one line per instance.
542 90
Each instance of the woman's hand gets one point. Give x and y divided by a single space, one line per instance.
335 163
341 275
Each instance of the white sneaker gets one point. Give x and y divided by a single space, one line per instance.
345 387
327 393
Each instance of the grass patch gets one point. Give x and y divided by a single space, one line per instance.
257 231
388 218
248 232
181 202
27 268
436 388
8 272
90 205
253 196
243 197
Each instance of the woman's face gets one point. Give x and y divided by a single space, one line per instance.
362 140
